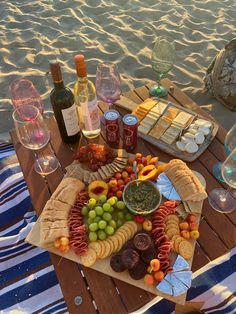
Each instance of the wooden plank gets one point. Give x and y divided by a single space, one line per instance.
200 259
72 285
210 242
104 292
39 192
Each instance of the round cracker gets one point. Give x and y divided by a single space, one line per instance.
186 249
128 230
89 258
171 232
115 242
112 245
171 226
107 250
96 246
177 243
122 235
133 225
102 249
172 217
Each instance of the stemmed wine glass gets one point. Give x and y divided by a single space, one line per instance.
108 82
225 200
163 56
33 134
23 92
229 145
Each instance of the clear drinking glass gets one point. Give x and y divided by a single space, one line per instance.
225 200
33 134
229 145
108 82
163 56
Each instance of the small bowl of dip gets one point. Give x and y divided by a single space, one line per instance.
141 197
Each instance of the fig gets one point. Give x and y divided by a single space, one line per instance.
116 263
130 258
139 271
142 241
148 255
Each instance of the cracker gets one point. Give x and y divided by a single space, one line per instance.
89 258
186 249
177 242
96 246
172 217
171 232
115 242
171 226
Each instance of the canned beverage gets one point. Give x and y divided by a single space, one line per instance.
130 130
112 126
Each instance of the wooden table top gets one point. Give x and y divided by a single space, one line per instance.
101 293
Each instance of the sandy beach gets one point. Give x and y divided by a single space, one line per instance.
33 32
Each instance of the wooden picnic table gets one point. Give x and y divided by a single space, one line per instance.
99 292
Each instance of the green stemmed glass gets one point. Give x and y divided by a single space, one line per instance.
163 56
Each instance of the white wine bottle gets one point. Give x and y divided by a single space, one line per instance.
86 101
64 107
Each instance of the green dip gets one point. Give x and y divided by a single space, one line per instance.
141 197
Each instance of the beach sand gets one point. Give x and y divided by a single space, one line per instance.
33 32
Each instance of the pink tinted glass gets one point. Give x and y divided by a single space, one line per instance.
23 92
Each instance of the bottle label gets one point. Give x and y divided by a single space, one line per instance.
90 114
71 120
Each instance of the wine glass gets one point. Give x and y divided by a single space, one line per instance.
23 92
108 82
163 56
225 200
33 134
229 145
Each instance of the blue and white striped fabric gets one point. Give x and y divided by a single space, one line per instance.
28 283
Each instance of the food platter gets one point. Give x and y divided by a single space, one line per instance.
90 224
176 130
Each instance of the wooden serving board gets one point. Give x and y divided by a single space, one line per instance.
103 265
172 150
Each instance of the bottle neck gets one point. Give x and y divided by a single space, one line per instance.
59 84
83 80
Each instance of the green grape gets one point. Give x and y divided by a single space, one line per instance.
111 201
97 219
120 205
112 223
106 207
114 216
107 216
92 236
101 235
102 224
92 202
99 210
111 210
115 198
84 210
103 198
90 221
92 214
119 223
120 215
93 226
109 230
128 217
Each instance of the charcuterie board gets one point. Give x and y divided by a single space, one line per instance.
153 252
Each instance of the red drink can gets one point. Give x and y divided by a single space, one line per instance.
112 126
130 131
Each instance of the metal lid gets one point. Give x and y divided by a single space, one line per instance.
111 115
130 119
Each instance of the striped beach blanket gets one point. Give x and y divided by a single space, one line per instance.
28 282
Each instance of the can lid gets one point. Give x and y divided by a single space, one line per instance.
130 119
111 115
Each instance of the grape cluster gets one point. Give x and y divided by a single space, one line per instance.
95 155
104 216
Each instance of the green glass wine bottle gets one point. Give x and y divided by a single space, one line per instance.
64 107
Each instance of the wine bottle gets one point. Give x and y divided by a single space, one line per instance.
64 107
86 100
